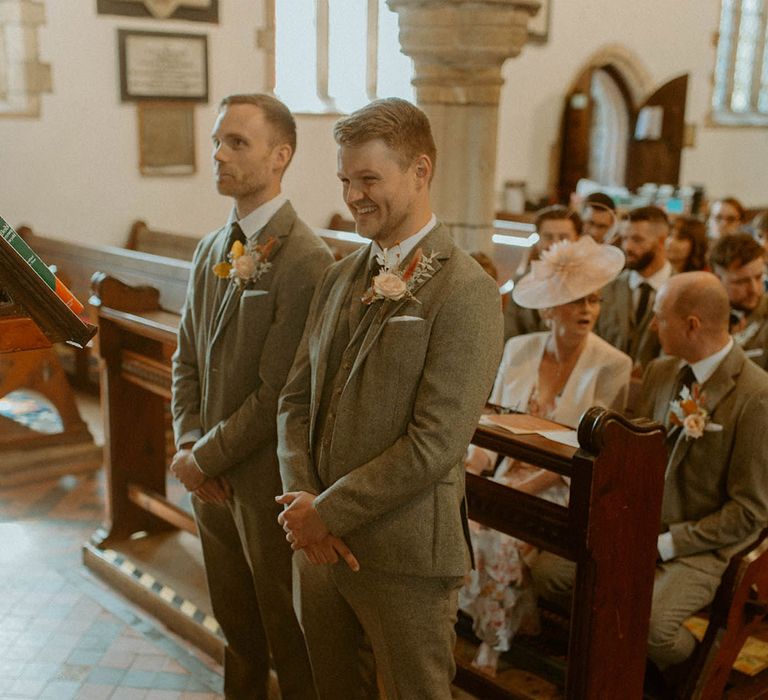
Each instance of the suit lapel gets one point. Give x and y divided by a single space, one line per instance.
714 390
278 227
437 241
337 298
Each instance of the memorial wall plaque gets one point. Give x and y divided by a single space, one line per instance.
162 66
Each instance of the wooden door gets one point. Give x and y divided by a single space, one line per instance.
658 160
575 133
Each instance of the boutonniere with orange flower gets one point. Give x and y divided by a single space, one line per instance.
394 284
688 412
245 265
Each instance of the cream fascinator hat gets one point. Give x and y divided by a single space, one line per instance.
568 271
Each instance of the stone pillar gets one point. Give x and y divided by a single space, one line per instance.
459 47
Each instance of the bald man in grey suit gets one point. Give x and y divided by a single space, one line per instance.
716 491
250 289
383 398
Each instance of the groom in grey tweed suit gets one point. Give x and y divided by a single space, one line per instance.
374 421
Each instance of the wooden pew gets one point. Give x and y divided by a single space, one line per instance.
609 529
739 610
77 262
143 239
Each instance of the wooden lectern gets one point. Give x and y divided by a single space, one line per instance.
32 318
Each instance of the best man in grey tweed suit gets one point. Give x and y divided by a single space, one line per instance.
236 344
374 421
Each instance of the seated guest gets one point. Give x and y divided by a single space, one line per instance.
687 245
557 374
486 262
598 213
715 495
627 310
760 229
739 262
726 216
553 224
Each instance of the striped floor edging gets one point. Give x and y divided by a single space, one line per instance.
170 596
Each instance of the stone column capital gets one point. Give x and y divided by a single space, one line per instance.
459 47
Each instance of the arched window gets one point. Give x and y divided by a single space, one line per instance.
22 76
337 55
740 93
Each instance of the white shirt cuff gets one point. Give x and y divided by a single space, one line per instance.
191 436
666 546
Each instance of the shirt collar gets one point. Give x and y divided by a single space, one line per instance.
259 217
704 369
655 280
409 243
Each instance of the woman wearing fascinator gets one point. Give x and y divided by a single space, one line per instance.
556 374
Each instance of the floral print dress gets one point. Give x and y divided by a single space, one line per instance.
498 594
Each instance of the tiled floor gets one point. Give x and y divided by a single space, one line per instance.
63 633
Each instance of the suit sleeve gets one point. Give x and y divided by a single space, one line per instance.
746 507
293 449
253 424
462 357
185 397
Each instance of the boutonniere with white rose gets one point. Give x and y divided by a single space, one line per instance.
394 284
688 412
245 265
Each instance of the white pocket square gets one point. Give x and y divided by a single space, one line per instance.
404 318
254 293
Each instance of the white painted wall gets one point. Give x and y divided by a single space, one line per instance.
669 38
73 173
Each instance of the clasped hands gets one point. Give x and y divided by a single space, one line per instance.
207 489
305 530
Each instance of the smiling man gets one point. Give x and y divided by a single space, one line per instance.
385 393
248 297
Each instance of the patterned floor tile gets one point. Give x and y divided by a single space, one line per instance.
63 633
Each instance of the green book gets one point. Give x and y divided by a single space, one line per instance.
36 263
29 255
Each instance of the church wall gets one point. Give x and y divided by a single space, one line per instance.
668 39
73 173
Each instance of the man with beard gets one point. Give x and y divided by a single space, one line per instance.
625 319
739 261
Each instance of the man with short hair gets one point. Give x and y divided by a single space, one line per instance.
248 297
627 311
715 499
400 350
598 212
553 225
739 261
